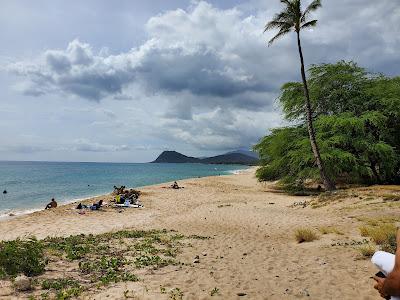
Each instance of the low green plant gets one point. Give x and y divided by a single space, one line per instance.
102 259
214 291
154 260
69 293
19 256
59 283
305 235
65 288
176 294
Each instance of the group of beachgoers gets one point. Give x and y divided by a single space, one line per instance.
126 197
94 206
122 198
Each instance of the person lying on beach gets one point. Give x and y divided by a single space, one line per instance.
389 265
80 206
97 206
175 186
52 204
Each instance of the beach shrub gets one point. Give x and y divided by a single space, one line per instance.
357 124
22 257
382 234
305 235
367 250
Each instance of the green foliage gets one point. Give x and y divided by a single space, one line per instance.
66 288
357 124
176 294
292 18
214 291
26 257
154 260
59 283
102 259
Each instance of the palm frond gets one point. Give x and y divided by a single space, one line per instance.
281 33
312 7
287 2
284 16
277 25
312 23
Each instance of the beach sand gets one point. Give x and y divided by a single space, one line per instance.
252 249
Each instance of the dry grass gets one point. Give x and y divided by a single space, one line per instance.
379 234
391 197
305 235
330 229
367 251
382 232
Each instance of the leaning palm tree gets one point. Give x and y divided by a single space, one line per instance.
292 18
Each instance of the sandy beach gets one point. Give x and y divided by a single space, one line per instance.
251 253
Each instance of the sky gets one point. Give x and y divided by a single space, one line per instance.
121 81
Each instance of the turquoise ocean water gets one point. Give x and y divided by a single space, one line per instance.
30 185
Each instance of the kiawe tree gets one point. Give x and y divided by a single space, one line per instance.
293 18
356 115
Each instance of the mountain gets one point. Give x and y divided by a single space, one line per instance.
175 157
245 152
230 158
227 158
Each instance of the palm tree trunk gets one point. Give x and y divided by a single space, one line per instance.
329 185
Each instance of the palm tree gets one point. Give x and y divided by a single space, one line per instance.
292 18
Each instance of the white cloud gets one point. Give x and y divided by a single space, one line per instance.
88 146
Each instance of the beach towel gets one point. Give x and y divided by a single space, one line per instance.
129 205
384 261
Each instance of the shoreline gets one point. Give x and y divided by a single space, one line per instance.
15 213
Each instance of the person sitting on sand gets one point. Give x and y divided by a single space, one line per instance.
389 265
52 204
97 206
175 185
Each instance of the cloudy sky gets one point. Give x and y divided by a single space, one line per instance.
121 81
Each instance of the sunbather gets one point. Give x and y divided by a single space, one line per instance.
52 204
97 206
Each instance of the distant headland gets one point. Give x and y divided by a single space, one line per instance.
235 157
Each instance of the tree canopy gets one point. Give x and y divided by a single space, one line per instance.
357 120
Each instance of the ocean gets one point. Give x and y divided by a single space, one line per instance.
31 185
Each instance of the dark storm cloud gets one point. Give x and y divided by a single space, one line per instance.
213 64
